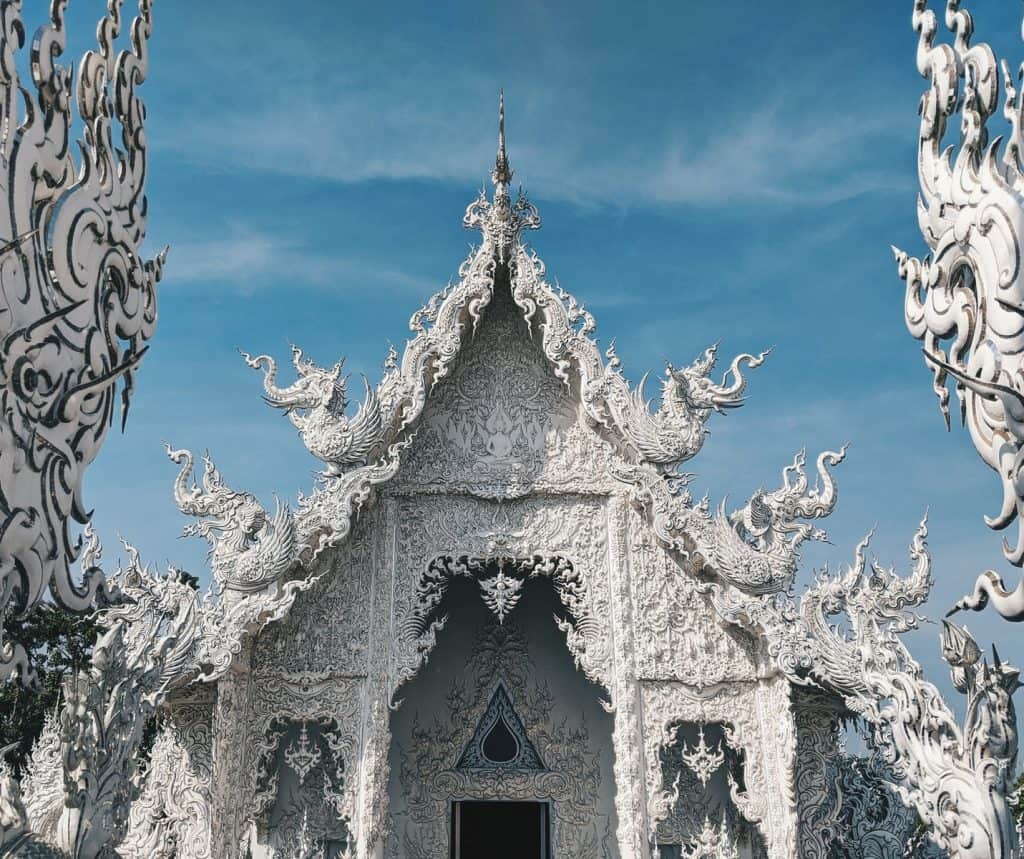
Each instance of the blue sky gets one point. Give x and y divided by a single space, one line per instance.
705 172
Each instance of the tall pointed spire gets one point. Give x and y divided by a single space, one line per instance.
502 173
498 219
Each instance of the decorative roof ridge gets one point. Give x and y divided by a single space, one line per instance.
364 451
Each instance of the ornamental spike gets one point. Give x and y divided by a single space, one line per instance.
502 174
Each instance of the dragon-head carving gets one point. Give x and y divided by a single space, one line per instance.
770 519
689 390
315 404
676 431
249 550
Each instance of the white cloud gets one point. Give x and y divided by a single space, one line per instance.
782 153
252 259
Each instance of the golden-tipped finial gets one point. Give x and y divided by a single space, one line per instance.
502 174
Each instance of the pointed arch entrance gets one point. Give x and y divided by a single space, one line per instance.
500 713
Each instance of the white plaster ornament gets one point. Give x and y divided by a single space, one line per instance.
322 618
77 301
965 301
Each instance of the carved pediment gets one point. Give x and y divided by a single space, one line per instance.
502 424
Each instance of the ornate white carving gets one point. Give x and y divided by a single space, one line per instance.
965 301
848 805
149 638
494 437
501 593
431 774
329 627
251 556
676 431
702 759
302 757
502 424
957 778
42 785
527 454
459 530
254 723
77 301
249 551
713 843
14 831
316 405
757 720
171 819
754 548
678 634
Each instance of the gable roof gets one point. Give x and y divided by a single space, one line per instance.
366 450
754 548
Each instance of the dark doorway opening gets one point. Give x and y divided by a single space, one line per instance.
500 830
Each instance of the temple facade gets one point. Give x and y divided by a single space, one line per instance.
501 626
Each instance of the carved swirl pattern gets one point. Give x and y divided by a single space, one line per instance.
77 301
965 301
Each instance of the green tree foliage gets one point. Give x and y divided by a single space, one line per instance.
59 644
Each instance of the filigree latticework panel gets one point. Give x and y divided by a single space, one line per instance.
321 698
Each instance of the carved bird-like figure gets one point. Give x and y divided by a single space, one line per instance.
676 431
315 404
250 551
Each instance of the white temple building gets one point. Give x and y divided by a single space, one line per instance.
502 627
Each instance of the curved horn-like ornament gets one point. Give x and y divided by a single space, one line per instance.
187 495
729 393
989 588
294 396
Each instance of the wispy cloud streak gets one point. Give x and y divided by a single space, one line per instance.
251 259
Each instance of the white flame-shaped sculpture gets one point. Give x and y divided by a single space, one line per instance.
77 301
966 300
